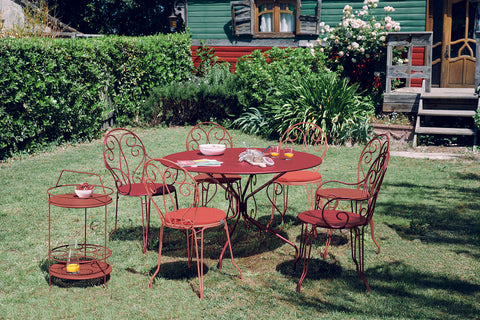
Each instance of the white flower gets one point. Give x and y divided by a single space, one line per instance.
341 54
389 9
354 60
355 45
397 28
377 25
389 26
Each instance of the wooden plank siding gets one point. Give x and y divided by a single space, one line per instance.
211 22
410 13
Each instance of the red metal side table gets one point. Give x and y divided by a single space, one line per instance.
92 258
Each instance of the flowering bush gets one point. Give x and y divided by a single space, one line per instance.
358 44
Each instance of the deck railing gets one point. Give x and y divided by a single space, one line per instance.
407 70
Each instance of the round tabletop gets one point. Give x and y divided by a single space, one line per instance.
231 165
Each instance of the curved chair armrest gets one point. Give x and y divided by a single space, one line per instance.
337 184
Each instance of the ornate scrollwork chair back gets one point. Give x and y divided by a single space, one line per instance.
304 137
212 133
124 156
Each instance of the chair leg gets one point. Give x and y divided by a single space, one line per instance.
199 259
160 244
311 195
227 233
145 211
116 212
357 246
189 246
306 239
327 242
373 236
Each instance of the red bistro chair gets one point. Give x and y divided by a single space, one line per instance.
354 190
124 156
206 133
330 214
186 214
306 137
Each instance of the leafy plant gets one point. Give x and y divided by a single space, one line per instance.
201 99
327 100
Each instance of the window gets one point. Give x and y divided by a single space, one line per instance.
277 16
273 19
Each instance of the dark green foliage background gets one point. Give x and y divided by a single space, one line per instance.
61 90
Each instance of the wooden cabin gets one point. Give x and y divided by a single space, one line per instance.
440 35
236 28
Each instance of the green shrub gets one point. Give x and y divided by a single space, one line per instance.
259 73
324 99
213 97
284 86
60 90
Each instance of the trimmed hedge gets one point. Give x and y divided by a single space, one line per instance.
61 90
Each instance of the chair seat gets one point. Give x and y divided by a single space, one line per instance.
299 177
335 219
203 177
201 216
138 189
345 193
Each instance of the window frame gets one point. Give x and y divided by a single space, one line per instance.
276 13
245 20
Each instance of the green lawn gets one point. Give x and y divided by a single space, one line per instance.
427 223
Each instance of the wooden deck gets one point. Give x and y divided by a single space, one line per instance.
407 99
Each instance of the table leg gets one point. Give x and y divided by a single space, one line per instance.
241 199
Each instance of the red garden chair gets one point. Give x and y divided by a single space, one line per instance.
351 191
207 133
333 213
306 137
186 214
124 156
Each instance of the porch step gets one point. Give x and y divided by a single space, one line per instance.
447 113
446 131
453 104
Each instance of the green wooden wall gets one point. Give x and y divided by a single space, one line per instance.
410 13
212 19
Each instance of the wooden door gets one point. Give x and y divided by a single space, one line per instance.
458 49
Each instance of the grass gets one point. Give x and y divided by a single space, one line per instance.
427 223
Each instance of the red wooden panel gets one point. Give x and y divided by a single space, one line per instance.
227 53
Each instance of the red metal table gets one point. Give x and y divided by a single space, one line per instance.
93 262
231 165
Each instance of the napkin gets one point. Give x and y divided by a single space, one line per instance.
199 163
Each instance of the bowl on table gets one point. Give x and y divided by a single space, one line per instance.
212 149
84 193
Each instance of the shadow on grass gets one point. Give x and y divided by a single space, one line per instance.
450 217
246 241
177 270
410 292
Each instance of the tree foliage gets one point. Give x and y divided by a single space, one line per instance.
120 17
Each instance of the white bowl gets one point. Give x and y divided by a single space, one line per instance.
84 193
212 149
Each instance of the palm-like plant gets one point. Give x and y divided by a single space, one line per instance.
324 99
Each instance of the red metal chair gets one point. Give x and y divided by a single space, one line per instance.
206 133
351 191
306 137
331 214
188 216
124 156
